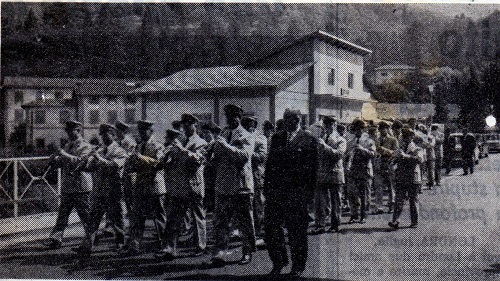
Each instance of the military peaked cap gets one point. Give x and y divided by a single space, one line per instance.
189 119
233 110
383 125
172 133
104 128
358 123
291 113
124 127
71 124
144 124
247 120
329 119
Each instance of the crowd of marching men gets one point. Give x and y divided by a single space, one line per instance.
256 183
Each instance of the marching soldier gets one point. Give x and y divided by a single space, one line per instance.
150 187
127 142
330 173
289 186
360 150
185 188
76 183
408 177
232 156
107 198
258 167
386 146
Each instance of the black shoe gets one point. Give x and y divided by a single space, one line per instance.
394 225
165 256
77 249
362 221
128 252
333 230
276 270
352 220
295 273
246 259
217 262
317 230
465 174
52 244
413 225
198 252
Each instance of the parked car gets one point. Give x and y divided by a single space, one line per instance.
482 145
493 141
456 151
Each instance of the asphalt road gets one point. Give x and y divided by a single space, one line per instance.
457 239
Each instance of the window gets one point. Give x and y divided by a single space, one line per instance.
18 97
58 95
18 116
40 117
112 116
130 116
331 76
130 100
94 100
94 116
64 116
40 143
350 80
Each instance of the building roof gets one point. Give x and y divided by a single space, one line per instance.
236 76
395 67
49 103
405 110
86 86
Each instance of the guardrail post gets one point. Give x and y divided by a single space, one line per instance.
59 179
16 189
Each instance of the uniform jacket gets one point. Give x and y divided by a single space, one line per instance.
259 157
233 163
359 162
184 168
108 176
150 178
75 179
430 147
386 146
409 158
128 143
331 155
291 169
468 145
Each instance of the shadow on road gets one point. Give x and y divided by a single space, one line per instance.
494 270
247 277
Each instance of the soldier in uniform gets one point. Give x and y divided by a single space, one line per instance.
232 156
107 198
386 146
396 129
408 177
468 147
127 142
76 183
150 187
330 173
185 188
360 150
259 157
289 186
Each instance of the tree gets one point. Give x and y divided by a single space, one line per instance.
391 92
472 102
31 21
56 14
491 86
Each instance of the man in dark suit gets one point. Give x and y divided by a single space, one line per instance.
468 147
289 183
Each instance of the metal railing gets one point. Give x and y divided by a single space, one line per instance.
16 189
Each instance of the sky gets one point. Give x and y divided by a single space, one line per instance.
474 11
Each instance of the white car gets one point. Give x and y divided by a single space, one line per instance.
493 141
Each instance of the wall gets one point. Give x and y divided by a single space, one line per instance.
258 106
288 99
52 130
327 56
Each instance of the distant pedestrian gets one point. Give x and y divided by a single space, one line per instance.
468 147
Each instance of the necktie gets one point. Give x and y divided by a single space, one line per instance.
143 148
229 136
185 142
288 138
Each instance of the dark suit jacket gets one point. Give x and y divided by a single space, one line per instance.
291 169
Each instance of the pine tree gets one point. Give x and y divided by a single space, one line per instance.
31 20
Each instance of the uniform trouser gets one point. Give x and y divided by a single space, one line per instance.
357 196
322 203
403 190
468 163
258 210
176 210
333 191
386 181
128 189
289 211
79 201
239 206
431 167
145 205
114 209
379 183
437 170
